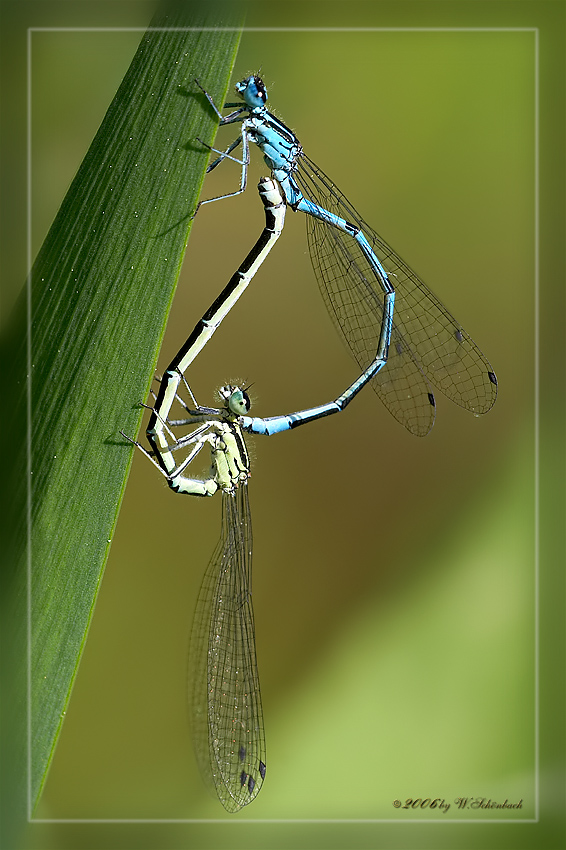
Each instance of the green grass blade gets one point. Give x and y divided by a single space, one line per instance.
101 290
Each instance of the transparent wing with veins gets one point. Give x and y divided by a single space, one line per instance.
224 685
429 348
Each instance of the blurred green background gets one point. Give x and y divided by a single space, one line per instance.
394 577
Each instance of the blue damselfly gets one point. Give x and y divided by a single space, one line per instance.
354 267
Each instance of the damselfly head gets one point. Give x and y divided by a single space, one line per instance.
236 400
252 90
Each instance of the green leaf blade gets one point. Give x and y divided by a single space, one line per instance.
102 286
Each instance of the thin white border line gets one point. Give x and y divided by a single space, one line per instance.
534 30
280 820
29 429
283 29
536 447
